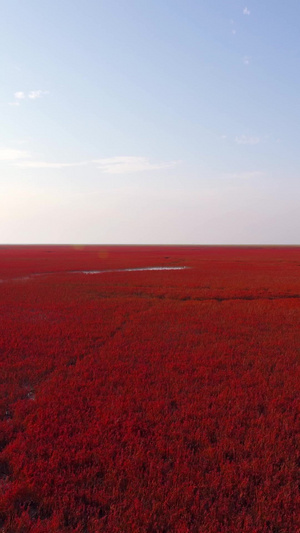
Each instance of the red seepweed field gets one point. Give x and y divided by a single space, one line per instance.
149 401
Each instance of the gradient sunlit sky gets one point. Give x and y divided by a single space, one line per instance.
158 121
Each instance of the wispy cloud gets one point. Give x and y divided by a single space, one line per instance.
19 95
247 175
106 165
10 154
45 164
244 139
129 164
246 60
33 95
246 11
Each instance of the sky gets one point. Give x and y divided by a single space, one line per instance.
150 122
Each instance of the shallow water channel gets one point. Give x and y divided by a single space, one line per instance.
140 269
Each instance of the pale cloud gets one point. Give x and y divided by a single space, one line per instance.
246 60
244 139
19 95
107 165
129 164
10 154
246 11
45 164
33 95
247 175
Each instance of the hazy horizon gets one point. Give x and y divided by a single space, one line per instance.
82 245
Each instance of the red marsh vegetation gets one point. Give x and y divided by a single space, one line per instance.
152 401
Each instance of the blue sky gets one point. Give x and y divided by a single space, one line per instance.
160 121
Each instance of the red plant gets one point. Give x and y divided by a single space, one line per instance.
149 401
